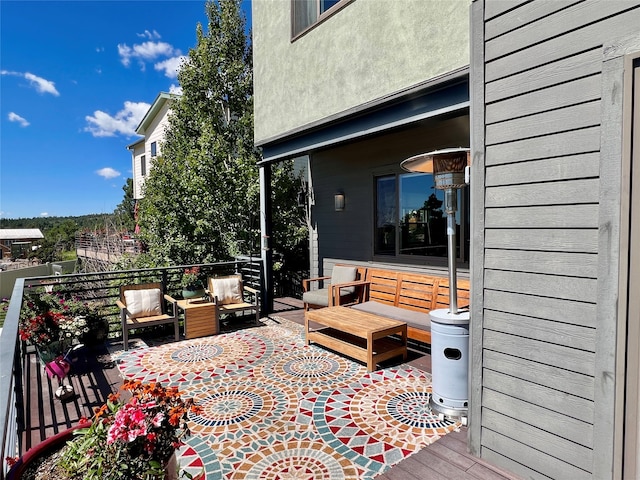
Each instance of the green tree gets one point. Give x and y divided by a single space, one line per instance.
125 212
201 198
57 240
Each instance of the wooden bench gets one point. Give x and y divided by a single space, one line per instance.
405 296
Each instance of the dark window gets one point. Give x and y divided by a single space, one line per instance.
410 217
154 151
143 166
309 12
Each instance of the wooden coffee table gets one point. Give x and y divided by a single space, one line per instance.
199 318
360 335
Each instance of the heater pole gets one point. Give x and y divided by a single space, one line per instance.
450 207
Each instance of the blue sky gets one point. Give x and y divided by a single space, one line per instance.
76 79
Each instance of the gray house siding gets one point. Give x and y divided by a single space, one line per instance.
543 353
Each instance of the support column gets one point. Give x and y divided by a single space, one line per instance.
266 229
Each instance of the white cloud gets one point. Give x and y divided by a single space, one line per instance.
150 35
44 214
145 52
41 85
170 66
14 117
108 172
175 89
124 122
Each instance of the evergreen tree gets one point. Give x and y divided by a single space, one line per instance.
201 198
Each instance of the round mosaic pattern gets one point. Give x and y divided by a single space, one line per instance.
196 353
282 333
384 417
413 409
309 369
198 359
232 410
296 460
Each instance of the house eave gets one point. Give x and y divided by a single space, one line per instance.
438 96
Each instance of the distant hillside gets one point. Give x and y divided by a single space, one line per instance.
89 222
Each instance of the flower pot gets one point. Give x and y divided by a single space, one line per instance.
47 353
195 290
171 468
49 446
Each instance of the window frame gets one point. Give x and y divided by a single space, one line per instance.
320 16
464 211
143 165
154 149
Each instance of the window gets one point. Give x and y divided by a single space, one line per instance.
143 165
309 12
154 150
410 217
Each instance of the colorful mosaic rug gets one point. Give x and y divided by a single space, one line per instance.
274 408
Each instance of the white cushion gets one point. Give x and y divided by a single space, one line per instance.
227 289
143 303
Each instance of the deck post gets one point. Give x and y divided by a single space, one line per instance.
266 229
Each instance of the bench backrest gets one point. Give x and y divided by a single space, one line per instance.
383 285
442 297
417 292
413 291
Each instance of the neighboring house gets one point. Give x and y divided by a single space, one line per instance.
555 193
353 92
147 148
20 238
555 322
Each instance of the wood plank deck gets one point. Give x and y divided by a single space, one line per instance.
95 377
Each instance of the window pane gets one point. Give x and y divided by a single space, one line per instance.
423 222
153 149
385 241
305 13
143 166
327 4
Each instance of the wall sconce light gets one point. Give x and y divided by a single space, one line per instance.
339 201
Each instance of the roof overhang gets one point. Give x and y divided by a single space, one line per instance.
437 97
157 104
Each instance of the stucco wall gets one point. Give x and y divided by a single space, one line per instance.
367 50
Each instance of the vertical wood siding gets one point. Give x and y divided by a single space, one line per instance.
539 97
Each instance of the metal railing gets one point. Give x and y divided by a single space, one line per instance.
101 290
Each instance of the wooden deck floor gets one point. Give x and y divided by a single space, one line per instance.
95 376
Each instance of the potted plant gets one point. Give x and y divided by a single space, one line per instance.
131 440
192 286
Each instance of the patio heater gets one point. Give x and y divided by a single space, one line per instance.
449 327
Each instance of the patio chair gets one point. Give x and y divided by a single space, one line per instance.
145 305
349 277
230 295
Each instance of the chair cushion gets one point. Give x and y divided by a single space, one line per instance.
318 297
343 274
143 303
420 320
227 289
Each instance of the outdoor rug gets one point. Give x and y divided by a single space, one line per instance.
274 408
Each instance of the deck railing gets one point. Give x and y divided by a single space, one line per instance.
100 289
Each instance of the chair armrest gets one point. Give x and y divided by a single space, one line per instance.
174 304
306 281
335 290
250 290
121 305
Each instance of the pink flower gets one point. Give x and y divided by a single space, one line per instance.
157 420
